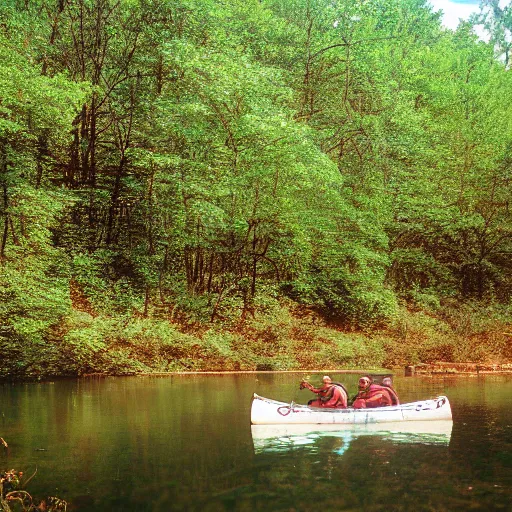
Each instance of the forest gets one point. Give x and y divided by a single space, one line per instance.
192 185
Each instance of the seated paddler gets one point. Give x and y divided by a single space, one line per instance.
331 395
374 395
388 383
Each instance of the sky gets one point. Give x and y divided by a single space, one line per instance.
455 9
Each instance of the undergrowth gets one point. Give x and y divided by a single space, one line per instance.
285 337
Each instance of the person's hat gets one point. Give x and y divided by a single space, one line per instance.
326 378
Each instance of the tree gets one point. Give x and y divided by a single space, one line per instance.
497 22
36 113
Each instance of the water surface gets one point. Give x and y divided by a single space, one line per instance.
185 443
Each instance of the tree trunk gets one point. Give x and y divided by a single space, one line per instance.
3 243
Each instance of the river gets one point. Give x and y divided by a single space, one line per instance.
184 443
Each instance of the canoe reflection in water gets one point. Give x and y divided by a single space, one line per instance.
281 438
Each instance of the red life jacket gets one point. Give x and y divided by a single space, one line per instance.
385 397
335 397
394 396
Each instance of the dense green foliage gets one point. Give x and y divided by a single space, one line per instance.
175 173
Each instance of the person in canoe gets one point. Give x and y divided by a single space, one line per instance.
331 395
373 395
388 383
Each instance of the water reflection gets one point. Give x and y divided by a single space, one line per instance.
184 443
281 438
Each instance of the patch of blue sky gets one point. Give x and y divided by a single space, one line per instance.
469 2
455 10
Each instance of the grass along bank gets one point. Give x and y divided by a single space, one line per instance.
284 337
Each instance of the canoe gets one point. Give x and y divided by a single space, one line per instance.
265 411
282 438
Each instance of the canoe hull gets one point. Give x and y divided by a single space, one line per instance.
265 411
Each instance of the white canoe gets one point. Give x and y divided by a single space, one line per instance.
265 411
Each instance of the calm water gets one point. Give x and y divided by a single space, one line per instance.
185 443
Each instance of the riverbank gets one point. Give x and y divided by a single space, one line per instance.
443 367
284 338
436 368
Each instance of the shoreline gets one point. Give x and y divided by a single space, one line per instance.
421 370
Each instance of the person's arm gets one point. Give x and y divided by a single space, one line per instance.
307 385
382 395
377 397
